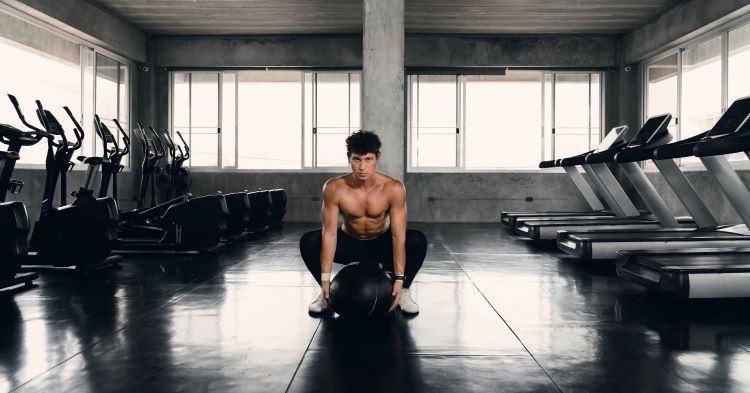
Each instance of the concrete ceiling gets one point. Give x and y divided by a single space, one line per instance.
271 17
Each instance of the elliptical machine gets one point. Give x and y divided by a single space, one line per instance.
78 235
179 177
238 203
178 226
14 219
115 155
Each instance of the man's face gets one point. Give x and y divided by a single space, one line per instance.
363 165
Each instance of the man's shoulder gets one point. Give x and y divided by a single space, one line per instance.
393 185
336 181
390 181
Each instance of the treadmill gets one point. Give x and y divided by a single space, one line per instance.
615 137
653 133
602 245
701 272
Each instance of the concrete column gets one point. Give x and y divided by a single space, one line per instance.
383 80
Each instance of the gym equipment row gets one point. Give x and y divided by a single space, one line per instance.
684 257
91 232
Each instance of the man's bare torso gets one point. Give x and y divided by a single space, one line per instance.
364 208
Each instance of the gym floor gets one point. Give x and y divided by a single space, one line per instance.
497 314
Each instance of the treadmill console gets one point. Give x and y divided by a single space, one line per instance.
652 127
614 137
732 120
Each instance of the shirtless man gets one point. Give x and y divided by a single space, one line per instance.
373 207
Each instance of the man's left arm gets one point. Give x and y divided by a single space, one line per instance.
398 218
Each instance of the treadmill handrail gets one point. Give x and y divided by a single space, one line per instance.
651 133
579 159
648 152
727 144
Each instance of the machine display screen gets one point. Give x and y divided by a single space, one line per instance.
732 119
652 126
612 137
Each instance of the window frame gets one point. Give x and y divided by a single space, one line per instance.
83 45
723 33
303 130
95 142
461 120
219 103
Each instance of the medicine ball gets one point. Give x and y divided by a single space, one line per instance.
361 290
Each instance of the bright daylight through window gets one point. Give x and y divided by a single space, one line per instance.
266 119
694 77
508 121
86 81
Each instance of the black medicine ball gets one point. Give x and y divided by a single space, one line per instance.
361 290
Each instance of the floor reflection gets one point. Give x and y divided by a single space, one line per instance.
361 356
11 342
496 315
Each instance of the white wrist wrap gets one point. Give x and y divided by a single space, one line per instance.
325 276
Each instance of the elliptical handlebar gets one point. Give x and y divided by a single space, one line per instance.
37 132
170 145
125 139
44 118
77 129
186 155
158 144
106 136
142 138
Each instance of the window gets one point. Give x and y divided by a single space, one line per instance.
334 115
662 94
508 121
270 120
739 62
111 97
41 65
576 113
434 121
701 87
499 108
704 78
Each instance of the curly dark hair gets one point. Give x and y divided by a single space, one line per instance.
362 142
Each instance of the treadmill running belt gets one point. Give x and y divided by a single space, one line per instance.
708 262
649 236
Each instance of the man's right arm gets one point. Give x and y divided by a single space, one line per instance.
330 218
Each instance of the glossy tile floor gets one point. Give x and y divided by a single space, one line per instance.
498 314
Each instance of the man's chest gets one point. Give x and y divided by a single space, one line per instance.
372 206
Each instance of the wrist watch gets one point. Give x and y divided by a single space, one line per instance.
399 278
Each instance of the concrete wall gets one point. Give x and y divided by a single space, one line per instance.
33 179
682 23
83 19
424 50
512 51
303 189
479 197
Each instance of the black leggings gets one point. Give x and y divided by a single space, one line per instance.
380 249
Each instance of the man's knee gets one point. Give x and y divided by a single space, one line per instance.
310 242
416 245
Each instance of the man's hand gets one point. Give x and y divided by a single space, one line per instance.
397 285
325 287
